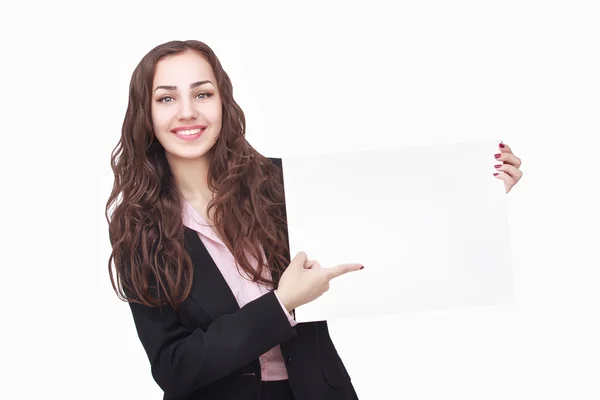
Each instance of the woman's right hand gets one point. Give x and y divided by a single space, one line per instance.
304 281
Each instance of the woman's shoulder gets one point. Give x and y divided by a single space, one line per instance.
276 161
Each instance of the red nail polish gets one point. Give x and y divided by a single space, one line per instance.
362 267
497 166
497 155
495 173
502 146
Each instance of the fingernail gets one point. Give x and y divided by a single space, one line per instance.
502 146
497 155
495 173
361 267
497 166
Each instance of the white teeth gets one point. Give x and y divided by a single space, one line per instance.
190 132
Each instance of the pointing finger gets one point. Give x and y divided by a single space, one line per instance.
342 269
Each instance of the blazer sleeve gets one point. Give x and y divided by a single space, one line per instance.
183 361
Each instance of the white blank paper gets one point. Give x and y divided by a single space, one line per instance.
429 223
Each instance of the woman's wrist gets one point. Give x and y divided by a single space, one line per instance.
284 300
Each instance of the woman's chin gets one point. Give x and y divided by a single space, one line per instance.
189 154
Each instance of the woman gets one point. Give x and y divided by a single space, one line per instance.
200 244
195 196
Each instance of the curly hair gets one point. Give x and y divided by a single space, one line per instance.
146 229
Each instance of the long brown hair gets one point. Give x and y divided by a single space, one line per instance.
146 229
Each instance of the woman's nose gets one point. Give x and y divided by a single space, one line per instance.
187 110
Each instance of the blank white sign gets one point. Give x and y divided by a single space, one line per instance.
429 223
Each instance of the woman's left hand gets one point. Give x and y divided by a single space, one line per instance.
509 169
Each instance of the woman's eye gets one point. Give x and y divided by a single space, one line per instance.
170 99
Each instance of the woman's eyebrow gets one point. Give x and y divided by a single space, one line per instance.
193 85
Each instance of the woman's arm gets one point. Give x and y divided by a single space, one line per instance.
183 360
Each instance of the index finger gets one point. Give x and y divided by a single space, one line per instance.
342 269
504 148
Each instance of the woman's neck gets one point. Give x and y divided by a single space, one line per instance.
191 177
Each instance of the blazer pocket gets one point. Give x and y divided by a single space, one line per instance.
335 372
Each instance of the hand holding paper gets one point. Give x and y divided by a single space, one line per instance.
509 171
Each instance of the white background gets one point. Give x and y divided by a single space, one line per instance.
311 77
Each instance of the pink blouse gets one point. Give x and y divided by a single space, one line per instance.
272 363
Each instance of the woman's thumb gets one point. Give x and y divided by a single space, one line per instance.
299 260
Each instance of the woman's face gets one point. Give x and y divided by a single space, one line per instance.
186 106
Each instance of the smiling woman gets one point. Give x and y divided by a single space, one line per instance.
185 132
199 244
185 111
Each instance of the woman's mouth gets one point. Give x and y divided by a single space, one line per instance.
188 133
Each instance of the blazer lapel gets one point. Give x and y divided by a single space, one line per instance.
209 288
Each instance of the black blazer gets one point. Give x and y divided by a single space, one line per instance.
210 348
